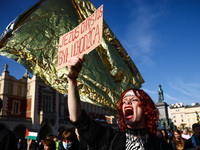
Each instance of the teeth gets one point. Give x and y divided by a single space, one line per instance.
128 108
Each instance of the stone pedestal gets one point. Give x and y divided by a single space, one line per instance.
164 117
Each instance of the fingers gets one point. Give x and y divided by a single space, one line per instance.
75 65
73 60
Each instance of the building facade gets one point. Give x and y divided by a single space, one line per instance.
28 103
184 116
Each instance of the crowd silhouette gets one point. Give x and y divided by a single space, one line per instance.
70 140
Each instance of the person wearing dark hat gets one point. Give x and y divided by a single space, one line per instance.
194 141
138 119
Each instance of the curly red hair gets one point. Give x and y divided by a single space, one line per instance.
147 105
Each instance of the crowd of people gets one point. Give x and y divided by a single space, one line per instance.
70 140
138 120
183 140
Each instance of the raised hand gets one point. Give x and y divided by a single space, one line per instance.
74 66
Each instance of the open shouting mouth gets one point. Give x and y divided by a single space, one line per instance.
128 112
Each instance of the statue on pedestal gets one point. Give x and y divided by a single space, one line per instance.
160 94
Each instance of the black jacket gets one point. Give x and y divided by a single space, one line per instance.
190 143
7 139
106 138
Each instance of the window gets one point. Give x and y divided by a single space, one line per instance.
174 116
182 120
47 105
174 120
181 115
188 120
15 107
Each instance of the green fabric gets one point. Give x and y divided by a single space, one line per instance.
33 42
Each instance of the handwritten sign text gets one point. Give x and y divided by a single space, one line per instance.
82 39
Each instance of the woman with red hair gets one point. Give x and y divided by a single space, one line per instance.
148 107
138 118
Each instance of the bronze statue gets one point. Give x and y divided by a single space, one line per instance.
160 93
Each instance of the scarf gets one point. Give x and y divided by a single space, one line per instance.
135 139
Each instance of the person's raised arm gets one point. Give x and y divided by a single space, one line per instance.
74 106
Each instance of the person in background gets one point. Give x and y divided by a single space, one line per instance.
40 145
69 141
8 140
19 144
194 141
49 144
177 142
165 135
159 133
50 136
185 134
138 119
190 133
55 138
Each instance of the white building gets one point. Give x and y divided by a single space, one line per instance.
184 115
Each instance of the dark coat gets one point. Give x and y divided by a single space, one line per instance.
106 138
7 139
189 143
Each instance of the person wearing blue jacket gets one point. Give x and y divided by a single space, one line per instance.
194 141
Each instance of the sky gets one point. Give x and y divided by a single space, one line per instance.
161 36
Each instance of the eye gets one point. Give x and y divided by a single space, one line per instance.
134 99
